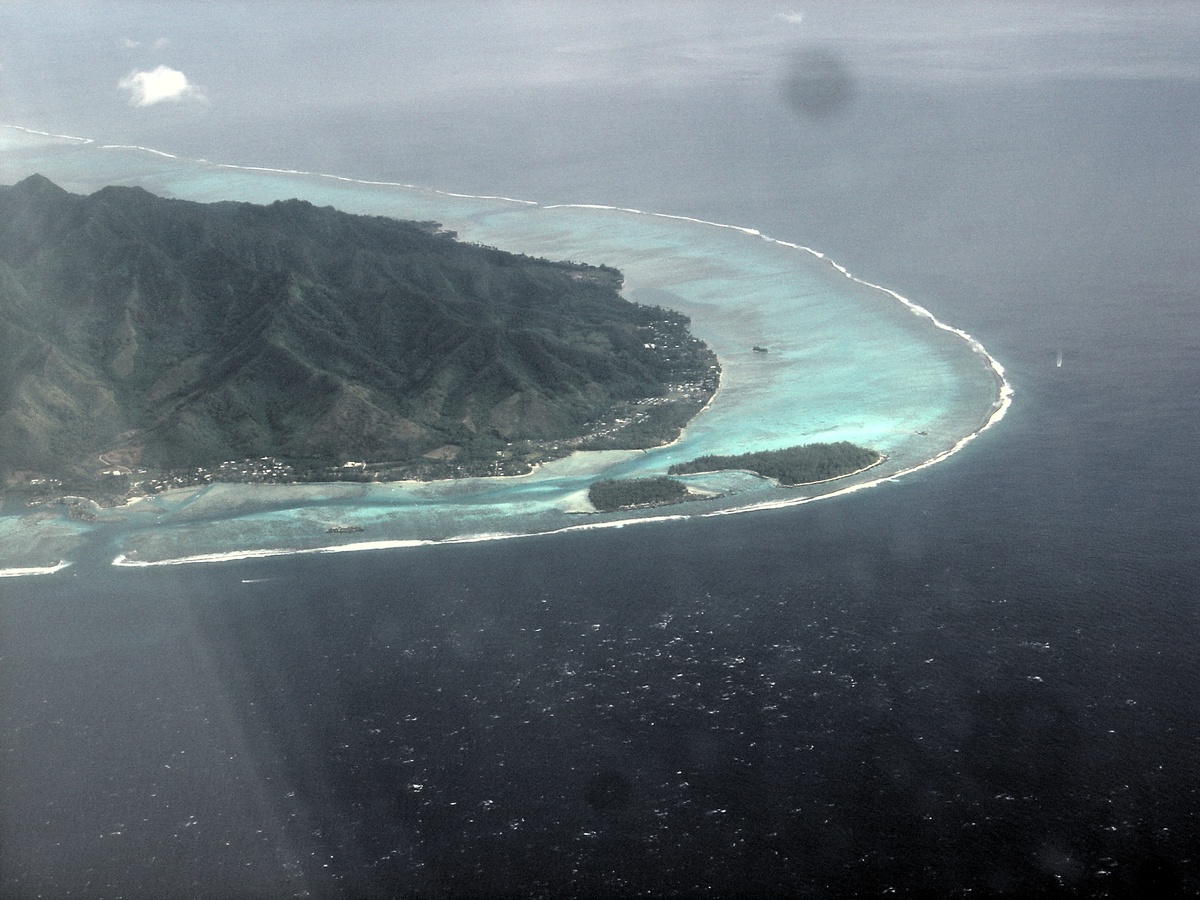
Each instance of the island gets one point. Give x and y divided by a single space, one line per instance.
635 493
217 464
790 466
149 343
802 464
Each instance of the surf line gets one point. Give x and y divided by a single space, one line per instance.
124 561
150 150
366 182
302 173
1004 387
50 134
34 570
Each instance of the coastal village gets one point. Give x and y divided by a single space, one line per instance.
648 421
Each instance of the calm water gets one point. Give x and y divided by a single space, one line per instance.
979 679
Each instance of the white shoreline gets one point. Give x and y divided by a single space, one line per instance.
51 134
1005 389
999 407
34 570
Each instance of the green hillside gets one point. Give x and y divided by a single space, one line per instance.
138 331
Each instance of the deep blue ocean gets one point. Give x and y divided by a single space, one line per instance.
980 680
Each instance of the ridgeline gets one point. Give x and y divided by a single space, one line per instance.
147 342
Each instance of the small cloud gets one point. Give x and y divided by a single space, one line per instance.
157 85
793 18
133 43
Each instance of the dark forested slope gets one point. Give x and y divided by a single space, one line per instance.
165 333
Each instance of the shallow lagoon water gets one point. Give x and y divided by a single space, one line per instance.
847 360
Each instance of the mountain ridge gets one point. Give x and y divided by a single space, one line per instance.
172 335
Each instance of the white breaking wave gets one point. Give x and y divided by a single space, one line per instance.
365 182
51 134
488 197
34 570
304 173
1004 400
144 150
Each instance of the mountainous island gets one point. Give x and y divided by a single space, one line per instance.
147 343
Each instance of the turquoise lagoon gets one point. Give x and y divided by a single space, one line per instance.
847 360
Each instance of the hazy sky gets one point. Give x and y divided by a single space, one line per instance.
211 58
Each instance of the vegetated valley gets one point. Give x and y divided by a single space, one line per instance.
148 342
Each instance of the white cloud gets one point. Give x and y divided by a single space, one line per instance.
157 85
132 44
793 18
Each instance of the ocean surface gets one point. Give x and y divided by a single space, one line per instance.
979 679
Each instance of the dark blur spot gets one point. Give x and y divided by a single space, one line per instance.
609 790
817 84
